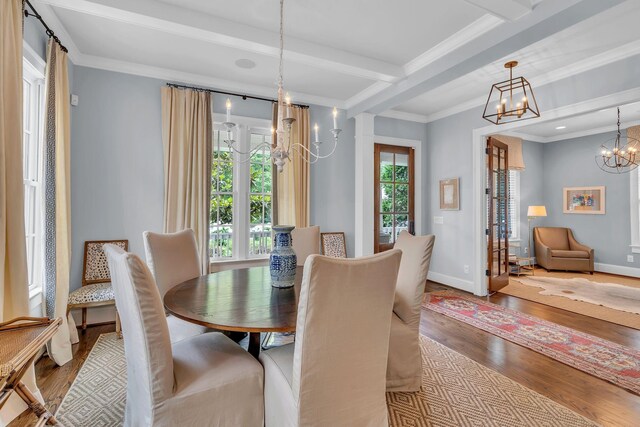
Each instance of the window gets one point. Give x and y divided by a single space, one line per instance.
240 215
514 205
32 153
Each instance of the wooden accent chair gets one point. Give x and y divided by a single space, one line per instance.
204 380
334 374
96 289
557 249
404 369
334 244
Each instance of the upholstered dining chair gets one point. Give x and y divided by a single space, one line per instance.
96 289
172 259
404 369
305 241
335 372
205 380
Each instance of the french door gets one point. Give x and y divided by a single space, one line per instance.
393 194
498 215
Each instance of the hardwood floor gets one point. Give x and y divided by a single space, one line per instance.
587 395
54 381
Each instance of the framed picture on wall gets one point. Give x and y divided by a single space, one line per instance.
450 194
584 200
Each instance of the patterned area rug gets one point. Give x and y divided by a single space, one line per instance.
456 392
604 359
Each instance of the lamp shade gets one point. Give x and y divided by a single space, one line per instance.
536 211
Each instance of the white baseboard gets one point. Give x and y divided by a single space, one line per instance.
617 269
464 285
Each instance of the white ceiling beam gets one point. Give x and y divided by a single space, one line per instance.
546 19
509 10
198 26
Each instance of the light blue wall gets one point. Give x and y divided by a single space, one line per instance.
449 154
531 187
117 162
571 163
35 36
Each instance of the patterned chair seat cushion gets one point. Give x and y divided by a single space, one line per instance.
97 292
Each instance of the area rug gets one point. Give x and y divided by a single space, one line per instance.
604 359
456 391
566 302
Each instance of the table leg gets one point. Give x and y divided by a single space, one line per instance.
254 344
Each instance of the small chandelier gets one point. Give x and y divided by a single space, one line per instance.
622 156
284 149
511 100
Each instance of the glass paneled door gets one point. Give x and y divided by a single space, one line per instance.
393 194
498 215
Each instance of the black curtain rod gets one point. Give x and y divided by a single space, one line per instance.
202 89
50 32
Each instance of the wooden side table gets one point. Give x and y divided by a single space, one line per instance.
20 341
521 266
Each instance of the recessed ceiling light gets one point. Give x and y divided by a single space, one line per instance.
561 127
245 63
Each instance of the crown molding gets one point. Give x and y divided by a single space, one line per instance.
179 21
197 79
402 115
366 93
52 20
477 28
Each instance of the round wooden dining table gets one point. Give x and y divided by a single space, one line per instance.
241 300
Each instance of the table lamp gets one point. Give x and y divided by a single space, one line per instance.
532 213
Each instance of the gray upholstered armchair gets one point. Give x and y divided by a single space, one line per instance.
557 249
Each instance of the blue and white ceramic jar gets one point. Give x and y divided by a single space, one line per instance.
283 260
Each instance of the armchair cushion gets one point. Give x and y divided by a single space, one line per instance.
569 254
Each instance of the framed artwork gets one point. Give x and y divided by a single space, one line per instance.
584 200
450 194
333 244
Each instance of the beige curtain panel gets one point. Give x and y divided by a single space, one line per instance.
57 195
186 138
14 289
516 161
293 183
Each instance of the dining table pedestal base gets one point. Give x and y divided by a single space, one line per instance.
254 344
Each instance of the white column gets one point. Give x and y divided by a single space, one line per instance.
364 184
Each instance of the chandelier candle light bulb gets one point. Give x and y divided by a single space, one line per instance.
335 118
228 110
287 99
315 128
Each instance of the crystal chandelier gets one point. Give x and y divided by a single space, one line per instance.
511 100
284 149
622 156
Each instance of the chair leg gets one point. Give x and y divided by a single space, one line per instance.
84 319
118 325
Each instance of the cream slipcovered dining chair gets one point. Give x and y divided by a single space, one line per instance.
404 369
305 241
172 259
205 380
334 374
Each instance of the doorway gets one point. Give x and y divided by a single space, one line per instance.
394 194
498 214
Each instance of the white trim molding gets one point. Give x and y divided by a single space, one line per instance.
364 178
634 204
463 285
620 270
